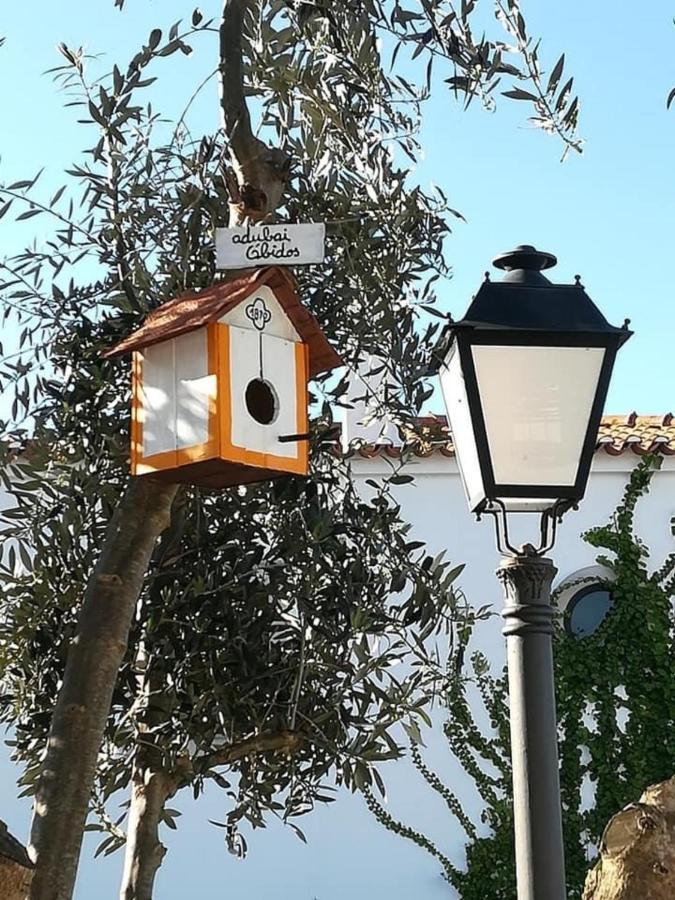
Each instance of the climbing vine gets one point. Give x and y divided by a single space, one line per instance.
616 713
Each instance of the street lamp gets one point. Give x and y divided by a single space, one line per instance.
524 377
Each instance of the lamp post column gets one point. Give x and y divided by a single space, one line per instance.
528 614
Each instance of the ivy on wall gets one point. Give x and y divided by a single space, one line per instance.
616 713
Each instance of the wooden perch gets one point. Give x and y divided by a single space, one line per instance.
16 869
637 852
259 173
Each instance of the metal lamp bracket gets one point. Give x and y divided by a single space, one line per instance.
548 526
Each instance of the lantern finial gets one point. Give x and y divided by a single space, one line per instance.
526 259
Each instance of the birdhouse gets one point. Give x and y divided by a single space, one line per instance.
220 383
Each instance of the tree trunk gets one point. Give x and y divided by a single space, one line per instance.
637 853
16 869
83 704
152 784
144 851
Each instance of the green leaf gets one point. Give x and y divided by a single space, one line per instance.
401 479
519 94
411 728
57 196
455 573
25 557
564 95
170 48
555 76
95 113
298 831
29 214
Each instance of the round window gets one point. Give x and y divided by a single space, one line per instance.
262 402
587 610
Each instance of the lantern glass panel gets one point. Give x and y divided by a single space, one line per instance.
536 404
459 417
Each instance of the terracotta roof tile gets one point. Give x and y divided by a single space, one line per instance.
196 309
618 434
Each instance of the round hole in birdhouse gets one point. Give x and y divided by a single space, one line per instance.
262 402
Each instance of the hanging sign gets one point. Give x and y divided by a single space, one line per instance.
264 245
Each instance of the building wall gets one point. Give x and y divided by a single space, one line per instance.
436 507
348 854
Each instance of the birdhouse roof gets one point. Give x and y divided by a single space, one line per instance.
198 308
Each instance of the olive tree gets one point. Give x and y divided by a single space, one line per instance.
260 632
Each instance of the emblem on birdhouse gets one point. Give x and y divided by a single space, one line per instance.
258 313
220 383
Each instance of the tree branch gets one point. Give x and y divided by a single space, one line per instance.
144 851
236 118
260 172
273 742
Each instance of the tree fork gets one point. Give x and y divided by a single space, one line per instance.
152 784
82 708
152 787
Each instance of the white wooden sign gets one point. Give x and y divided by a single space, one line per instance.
264 245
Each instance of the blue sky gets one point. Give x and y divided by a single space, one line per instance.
607 215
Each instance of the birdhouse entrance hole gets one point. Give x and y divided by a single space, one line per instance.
262 402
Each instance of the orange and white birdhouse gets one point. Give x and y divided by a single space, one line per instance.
220 382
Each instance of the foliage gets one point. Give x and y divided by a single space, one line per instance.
616 712
274 618
268 610
617 693
244 633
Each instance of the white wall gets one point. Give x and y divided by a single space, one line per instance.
348 854
436 507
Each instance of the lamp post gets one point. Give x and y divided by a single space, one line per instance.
524 377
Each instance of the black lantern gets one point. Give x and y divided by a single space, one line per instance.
524 377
